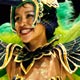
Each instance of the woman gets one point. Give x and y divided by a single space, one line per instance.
38 59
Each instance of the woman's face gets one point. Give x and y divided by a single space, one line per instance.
24 17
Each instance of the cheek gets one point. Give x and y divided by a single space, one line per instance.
16 27
30 22
39 29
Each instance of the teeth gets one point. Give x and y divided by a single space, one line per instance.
25 31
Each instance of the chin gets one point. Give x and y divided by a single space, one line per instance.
26 40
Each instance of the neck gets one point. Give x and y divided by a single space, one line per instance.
37 44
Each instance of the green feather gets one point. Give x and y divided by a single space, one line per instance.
7 35
65 15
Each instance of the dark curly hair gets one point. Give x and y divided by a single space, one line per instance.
49 20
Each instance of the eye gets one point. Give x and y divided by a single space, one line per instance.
17 19
30 16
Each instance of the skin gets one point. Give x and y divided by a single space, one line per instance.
24 17
35 37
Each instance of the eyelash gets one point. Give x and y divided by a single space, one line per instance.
27 17
16 19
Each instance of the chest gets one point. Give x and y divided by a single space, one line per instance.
43 69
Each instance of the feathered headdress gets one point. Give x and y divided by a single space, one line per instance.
44 10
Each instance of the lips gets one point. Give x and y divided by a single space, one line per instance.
25 31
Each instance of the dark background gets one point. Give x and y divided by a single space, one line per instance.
76 6
4 13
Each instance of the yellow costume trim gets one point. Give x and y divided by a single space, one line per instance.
8 55
76 66
2 56
65 62
37 10
28 68
34 59
19 77
51 3
56 78
15 60
6 60
52 41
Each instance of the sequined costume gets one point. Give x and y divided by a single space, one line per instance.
23 63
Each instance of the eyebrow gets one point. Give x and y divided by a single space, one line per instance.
25 12
29 11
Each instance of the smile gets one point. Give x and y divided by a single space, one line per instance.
25 31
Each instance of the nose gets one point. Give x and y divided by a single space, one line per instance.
23 21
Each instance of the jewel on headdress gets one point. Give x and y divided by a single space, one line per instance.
51 3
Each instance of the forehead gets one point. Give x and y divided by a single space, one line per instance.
26 7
